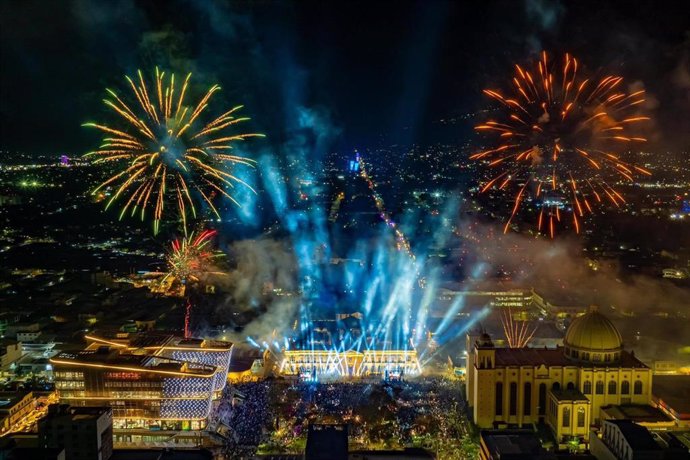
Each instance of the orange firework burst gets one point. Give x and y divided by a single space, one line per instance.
558 141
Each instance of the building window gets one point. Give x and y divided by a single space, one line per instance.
542 398
587 387
67 384
580 417
527 400
499 398
612 387
638 387
566 417
570 386
513 398
625 387
556 386
600 387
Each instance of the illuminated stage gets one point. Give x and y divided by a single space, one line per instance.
314 365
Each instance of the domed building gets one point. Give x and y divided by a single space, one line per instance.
593 337
564 387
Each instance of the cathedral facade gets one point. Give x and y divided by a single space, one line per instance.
564 387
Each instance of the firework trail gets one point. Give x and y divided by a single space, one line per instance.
558 138
189 259
165 153
518 333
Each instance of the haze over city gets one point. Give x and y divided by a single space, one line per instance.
238 229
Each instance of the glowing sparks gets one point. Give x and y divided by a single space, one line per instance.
165 153
557 140
518 333
192 257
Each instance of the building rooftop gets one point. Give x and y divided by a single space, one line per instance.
113 358
154 339
636 435
513 444
639 413
327 442
11 398
243 357
569 395
76 413
506 357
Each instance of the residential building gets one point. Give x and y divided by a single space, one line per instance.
14 406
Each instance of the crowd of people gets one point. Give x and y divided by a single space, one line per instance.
272 415
244 415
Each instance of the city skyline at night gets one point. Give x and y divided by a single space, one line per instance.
248 229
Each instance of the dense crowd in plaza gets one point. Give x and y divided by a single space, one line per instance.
272 415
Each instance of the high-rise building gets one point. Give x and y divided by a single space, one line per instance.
84 432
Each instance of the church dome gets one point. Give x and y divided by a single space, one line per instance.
592 337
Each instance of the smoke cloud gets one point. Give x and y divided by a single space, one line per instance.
560 270
544 16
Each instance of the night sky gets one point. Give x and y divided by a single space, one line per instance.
376 71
